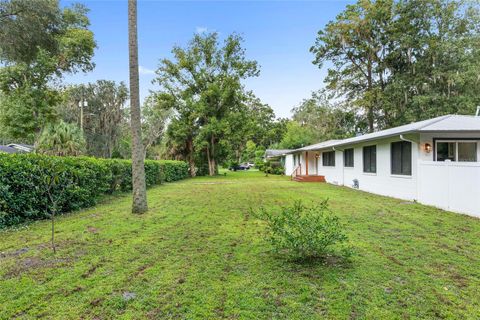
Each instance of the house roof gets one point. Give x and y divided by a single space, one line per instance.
7 149
448 123
321 145
21 146
272 153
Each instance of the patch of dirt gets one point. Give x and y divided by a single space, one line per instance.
90 271
92 229
96 302
15 253
35 263
391 258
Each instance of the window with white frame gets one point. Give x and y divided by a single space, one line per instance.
456 150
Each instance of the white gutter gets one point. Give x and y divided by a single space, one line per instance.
407 140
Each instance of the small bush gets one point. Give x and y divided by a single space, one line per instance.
271 167
83 180
306 232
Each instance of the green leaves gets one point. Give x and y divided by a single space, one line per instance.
61 139
28 181
402 61
205 81
305 232
39 42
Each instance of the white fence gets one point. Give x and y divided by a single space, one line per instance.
453 186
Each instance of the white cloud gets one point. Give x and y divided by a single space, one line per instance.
146 71
201 29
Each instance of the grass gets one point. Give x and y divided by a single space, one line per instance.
198 254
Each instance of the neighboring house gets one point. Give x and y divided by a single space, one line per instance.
21 147
435 162
276 155
7 149
16 148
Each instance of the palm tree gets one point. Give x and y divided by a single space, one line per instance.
61 139
138 167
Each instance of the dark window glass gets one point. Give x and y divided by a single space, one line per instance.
401 158
328 159
467 151
370 159
446 151
348 157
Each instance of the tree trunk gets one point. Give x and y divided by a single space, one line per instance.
191 159
139 204
212 166
370 115
209 161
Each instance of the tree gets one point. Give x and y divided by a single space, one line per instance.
297 136
403 61
326 120
205 81
103 117
138 167
61 139
357 43
39 41
156 112
435 61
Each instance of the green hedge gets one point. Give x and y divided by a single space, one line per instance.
80 181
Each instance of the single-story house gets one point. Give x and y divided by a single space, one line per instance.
435 162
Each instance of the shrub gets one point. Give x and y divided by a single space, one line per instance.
83 180
272 167
305 232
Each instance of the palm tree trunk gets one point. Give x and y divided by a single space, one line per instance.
138 167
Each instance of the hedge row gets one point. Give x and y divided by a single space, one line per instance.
74 182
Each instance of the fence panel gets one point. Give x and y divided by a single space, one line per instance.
453 186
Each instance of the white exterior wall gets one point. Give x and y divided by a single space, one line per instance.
453 186
429 137
382 182
289 164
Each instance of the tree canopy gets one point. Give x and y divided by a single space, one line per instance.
403 61
204 81
39 42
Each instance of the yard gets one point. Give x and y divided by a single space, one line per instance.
198 254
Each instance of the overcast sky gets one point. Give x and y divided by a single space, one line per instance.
278 34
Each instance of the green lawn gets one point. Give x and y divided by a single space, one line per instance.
198 254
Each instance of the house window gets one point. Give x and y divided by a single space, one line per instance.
328 159
370 159
446 151
462 151
294 160
401 158
348 158
467 151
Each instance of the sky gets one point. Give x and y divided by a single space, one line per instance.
277 34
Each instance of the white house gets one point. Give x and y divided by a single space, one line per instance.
434 162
